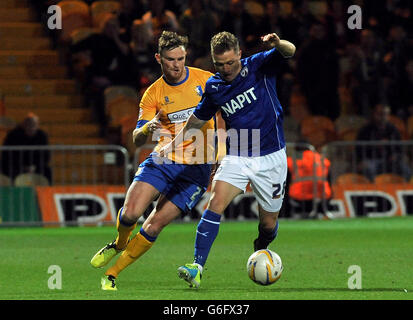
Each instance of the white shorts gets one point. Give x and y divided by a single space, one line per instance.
267 174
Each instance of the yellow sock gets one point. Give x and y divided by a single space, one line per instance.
135 248
124 232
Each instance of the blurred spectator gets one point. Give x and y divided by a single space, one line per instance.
367 73
396 71
109 53
146 69
16 162
240 23
158 19
303 19
130 10
318 73
337 19
374 160
406 90
199 23
308 182
278 21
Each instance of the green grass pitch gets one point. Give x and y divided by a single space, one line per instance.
316 255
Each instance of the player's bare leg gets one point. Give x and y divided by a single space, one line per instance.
165 213
222 194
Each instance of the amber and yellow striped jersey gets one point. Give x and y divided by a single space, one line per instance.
178 102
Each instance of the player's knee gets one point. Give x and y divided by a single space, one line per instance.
217 204
154 228
130 214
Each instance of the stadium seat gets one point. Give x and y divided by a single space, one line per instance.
7 122
410 127
286 7
100 9
91 174
400 125
81 34
120 102
351 178
143 152
318 130
75 15
347 126
291 129
386 178
318 8
127 125
5 181
254 8
30 179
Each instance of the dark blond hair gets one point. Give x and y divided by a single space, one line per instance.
170 40
224 41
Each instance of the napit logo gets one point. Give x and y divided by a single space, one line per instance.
238 102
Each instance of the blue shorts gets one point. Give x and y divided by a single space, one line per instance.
181 184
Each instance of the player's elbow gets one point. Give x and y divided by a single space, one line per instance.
292 50
138 138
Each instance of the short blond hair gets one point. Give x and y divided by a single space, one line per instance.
223 42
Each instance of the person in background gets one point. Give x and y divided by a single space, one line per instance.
28 133
308 184
377 159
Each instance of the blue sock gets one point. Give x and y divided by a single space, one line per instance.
206 233
266 236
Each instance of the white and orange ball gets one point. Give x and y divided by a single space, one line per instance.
264 267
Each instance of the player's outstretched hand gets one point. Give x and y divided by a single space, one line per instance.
271 39
155 124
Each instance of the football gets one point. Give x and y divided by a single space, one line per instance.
264 267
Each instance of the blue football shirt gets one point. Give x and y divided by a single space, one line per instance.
249 106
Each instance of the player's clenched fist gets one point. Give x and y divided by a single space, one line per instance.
272 39
154 124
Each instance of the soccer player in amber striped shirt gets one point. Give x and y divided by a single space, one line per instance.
166 106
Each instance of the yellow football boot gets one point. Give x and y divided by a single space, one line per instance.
104 255
108 283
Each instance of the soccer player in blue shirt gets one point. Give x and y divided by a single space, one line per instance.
244 90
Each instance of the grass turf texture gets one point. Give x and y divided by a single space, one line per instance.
316 257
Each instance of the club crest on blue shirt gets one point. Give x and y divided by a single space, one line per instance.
198 90
244 72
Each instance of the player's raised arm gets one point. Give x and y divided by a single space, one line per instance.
192 123
286 48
